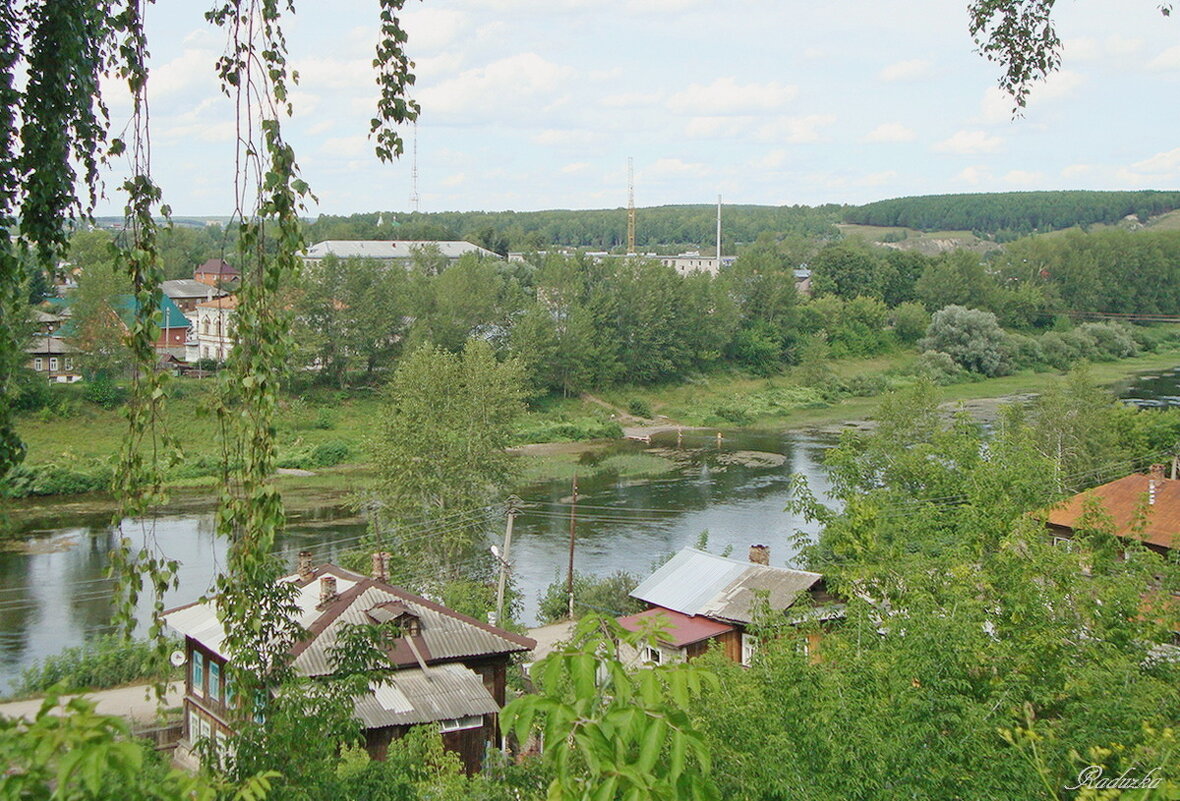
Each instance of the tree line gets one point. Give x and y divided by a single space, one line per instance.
1019 212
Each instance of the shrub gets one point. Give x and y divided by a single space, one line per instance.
1024 352
32 390
55 479
1112 340
940 368
910 321
866 385
971 337
106 661
606 594
577 430
102 391
639 407
329 454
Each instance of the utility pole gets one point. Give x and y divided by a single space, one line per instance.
569 587
513 507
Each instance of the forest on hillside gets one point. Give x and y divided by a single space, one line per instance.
1012 212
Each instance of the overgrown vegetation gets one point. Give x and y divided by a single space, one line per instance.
105 661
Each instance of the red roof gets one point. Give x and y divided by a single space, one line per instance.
682 629
217 267
1122 499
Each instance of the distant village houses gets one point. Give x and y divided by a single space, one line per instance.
54 358
216 330
401 251
1138 508
217 273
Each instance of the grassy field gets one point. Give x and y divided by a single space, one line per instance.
92 435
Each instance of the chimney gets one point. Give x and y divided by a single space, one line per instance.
760 554
1153 483
305 568
327 591
381 565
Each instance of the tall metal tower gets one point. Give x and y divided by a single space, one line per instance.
630 206
414 173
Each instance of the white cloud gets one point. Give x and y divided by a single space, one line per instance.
631 100
577 166
878 178
322 72
996 105
346 146
890 132
502 87
1024 177
454 180
566 138
796 130
432 29
224 131
1160 163
1060 84
669 168
966 143
1167 60
191 68
1076 170
974 175
910 70
771 160
1122 46
726 96
711 127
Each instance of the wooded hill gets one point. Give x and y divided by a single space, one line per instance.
1016 212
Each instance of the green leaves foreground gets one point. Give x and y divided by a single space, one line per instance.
612 733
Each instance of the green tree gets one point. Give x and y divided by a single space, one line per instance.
847 270
440 446
971 337
957 279
94 327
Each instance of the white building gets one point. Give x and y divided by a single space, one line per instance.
214 334
687 263
401 250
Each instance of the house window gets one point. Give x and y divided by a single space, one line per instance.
194 726
229 692
53 364
749 648
1064 543
198 673
654 655
465 722
69 363
214 680
206 729
38 364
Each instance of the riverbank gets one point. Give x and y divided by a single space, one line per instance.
303 426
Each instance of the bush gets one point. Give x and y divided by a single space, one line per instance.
106 661
940 368
329 454
973 338
577 430
54 479
866 385
1024 352
32 390
910 321
1112 340
639 407
606 594
102 391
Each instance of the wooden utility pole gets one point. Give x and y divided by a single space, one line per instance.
569 587
513 506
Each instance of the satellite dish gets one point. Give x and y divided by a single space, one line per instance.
177 659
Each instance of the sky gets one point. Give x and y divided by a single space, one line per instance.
530 105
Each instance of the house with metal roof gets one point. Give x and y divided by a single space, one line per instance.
186 293
54 358
697 599
398 250
1140 507
217 273
445 669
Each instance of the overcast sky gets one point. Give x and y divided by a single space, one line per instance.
538 104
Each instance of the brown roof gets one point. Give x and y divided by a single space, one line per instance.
681 629
228 302
1122 499
217 267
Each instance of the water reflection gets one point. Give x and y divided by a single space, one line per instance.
55 595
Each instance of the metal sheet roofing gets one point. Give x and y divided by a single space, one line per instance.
390 249
406 697
698 583
1122 499
445 634
187 288
681 629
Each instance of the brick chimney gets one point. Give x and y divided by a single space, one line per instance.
327 591
381 565
305 569
760 554
1156 478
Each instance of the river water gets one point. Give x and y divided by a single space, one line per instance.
53 593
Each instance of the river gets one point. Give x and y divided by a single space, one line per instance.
53 593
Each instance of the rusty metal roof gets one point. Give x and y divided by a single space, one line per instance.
443 692
698 583
1123 499
445 634
681 629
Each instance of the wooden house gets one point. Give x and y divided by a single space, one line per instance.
1140 507
701 599
446 670
217 273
